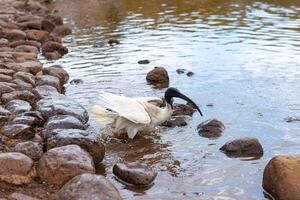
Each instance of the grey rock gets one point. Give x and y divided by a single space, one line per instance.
18 106
17 131
57 71
49 80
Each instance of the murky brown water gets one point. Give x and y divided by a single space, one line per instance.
246 59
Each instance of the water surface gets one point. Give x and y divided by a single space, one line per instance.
246 58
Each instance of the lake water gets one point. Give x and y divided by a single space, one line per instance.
246 58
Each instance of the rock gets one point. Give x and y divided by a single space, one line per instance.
6 49
7 72
18 106
20 196
31 149
183 109
60 164
113 41
63 122
143 62
25 76
15 168
5 88
57 71
26 120
158 75
61 31
27 48
17 131
22 85
281 177
76 81
37 35
4 116
211 128
3 42
55 19
175 121
62 105
22 95
15 35
189 74
32 24
49 80
243 147
134 176
180 71
54 46
47 25
5 78
25 42
28 66
292 119
43 91
35 6
210 105
88 186
52 55
82 138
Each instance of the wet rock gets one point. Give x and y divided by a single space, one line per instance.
25 42
18 106
5 78
15 35
183 109
281 177
21 95
43 91
37 35
61 31
88 186
47 25
113 41
76 81
5 88
62 105
86 140
52 55
25 76
4 116
26 120
15 168
28 66
27 48
180 71
211 128
32 24
134 176
49 80
22 85
292 119
60 164
31 149
189 74
20 196
143 62
175 121
243 147
210 104
17 131
57 71
54 46
158 75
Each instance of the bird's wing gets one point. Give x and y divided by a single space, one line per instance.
152 100
128 108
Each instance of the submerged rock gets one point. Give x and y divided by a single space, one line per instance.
183 109
61 31
180 71
158 75
175 121
31 149
76 81
135 176
243 147
189 74
88 186
60 164
86 140
211 128
281 177
143 62
113 41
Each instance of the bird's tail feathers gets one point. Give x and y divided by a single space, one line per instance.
103 115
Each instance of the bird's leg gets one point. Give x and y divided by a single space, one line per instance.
131 132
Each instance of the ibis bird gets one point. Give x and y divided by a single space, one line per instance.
136 114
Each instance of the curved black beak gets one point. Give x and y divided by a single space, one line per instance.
173 92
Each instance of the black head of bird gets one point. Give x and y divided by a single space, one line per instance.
175 93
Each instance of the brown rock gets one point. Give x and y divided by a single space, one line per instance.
15 35
52 55
31 149
5 88
28 66
22 95
175 121
135 176
211 128
27 48
57 71
17 131
32 24
35 6
113 41
55 19
25 42
88 186
183 109
281 177
6 49
5 78
61 164
243 147
61 31
7 72
49 80
4 116
25 76
22 85
20 196
82 138
18 106
158 75
47 25
54 46
37 35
